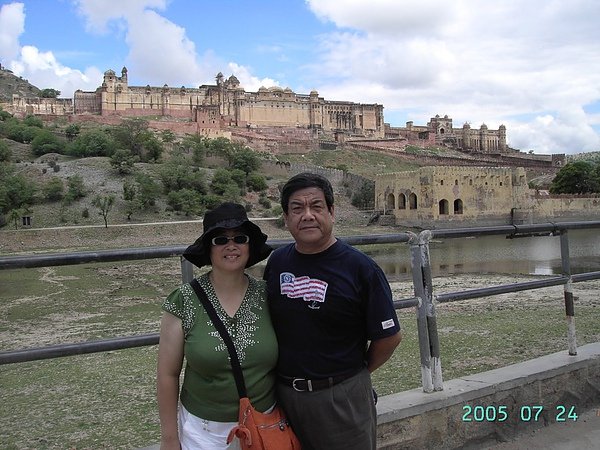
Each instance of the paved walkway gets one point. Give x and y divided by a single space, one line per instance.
584 434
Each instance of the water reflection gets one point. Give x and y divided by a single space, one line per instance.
495 254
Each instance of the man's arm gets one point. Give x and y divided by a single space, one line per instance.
381 350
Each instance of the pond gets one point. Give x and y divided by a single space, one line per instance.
495 254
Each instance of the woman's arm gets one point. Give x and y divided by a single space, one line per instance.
170 362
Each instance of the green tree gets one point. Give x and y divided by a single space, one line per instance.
245 159
123 161
49 93
256 182
148 190
16 191
239 176
93 143
72 131
45 142
211 201
167 136
177 174
33 121
187 201
4 115
104 203
197 146
16 131
578 177
5 153
129 195
54 189
364 197
222 183
14 216
75 189
134 135
140 193
153 149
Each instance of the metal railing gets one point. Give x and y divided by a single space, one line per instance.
424 299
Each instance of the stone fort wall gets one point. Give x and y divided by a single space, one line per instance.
463 196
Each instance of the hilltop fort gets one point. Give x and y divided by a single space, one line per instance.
274 119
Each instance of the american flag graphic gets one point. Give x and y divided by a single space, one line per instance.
311 290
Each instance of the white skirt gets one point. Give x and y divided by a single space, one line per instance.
201 434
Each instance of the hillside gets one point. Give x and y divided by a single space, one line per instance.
101 179
11 84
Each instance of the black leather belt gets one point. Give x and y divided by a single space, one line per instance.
310 385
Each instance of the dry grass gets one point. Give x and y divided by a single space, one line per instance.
107 400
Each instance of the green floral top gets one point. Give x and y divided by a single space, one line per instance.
209 390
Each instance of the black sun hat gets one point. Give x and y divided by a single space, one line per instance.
227 216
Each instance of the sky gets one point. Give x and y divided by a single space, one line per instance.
531 65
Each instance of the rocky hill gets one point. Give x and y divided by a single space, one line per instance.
11 84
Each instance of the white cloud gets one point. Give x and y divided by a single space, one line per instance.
166 55
491 62
248 81
12 25
44 71
100 18
38 67
569 132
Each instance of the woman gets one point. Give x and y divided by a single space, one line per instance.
208 403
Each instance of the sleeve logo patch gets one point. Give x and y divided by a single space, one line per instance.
387 324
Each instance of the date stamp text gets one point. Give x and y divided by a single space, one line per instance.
525 413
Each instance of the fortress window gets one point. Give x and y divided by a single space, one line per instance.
401 201
455 182
390 203
441 182
458 206
412 201
443 207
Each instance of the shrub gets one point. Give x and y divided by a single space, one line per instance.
256 182
93 143
54 189
45 142
5 153
264 201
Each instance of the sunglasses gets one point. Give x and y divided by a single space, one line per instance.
238 239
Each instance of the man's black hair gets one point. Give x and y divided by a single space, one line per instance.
306 180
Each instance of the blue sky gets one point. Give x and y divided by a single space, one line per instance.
531 65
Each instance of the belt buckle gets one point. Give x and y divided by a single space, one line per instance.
308 383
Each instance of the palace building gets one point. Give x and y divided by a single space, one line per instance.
226 103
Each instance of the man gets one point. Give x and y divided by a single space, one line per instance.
333 314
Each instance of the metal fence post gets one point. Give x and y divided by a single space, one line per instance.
434 343
187 270
419 248
568 290
423 335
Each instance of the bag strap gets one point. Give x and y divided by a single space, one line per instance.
235 362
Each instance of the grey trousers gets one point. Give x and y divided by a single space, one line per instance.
342 417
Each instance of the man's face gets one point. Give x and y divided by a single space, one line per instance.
309 220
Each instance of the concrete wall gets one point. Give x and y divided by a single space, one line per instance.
413 419
416 420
